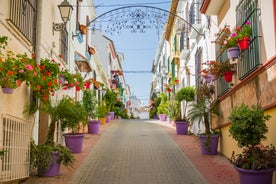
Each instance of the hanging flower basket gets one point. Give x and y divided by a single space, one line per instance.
243 44
228 76
233 52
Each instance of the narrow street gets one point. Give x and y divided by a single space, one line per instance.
134 152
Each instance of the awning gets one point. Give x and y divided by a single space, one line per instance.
82 63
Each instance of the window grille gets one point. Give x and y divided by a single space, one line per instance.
184 40
23 17
15 136
194 12
64 45
198 58
249 59
222 85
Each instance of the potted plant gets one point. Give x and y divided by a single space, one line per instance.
173 110
102 112
248 127
10 66
201 112
153 107
243 35
89 101
162 108
47 157
227 69
110 99
79 82
228 41
186 94
83 29
72 117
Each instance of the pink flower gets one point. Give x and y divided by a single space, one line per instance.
248 22
234 34
21 71
29 67
35 74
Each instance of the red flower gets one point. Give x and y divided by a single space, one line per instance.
10 73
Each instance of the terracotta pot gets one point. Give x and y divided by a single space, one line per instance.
83 29
103 121
91 50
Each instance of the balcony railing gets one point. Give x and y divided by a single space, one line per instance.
23 17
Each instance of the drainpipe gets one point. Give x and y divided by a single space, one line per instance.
37 52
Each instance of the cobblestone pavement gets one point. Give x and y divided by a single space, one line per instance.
135 152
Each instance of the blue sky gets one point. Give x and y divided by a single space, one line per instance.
138 48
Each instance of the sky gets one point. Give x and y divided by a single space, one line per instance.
138 48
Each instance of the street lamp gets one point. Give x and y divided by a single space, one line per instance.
65 10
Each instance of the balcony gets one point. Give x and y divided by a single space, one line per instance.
184 53
196 29
211 7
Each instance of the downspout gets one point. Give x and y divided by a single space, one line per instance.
37 52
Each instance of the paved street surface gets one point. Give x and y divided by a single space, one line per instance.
136 152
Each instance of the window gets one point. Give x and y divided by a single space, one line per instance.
249 59
23 17
194 12
222 85
184 40
198 58
64 45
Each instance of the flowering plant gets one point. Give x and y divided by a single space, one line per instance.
211 69
243 32
44 78
225 67
168 88
10 67
67 79
225 39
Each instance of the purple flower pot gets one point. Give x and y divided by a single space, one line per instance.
74 142
208 144
53 168
181 127
162 117
7 90
108 118
255 176
233 52
112 115
94 126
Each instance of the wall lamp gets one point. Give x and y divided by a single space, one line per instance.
65 10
